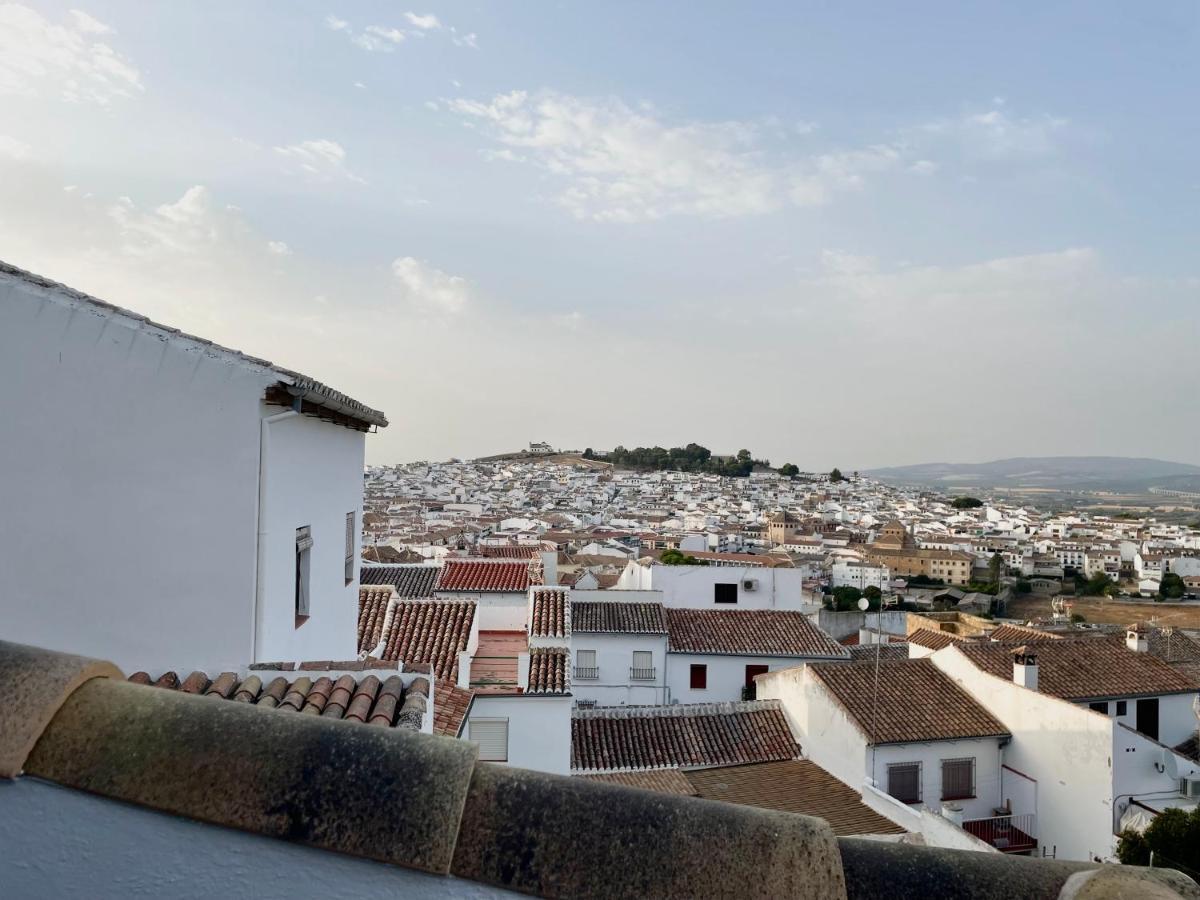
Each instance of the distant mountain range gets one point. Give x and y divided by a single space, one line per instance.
1096 473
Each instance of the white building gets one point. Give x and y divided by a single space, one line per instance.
861 575
619 649
168 502
717 586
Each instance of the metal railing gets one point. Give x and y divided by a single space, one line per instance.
1010 834
587 673
636 674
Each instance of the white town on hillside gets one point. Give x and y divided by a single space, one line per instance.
813 643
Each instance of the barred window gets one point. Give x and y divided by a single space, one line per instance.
350 545
958 779
904 782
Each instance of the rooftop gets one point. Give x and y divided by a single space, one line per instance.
408 580
483 576
749 632
617 617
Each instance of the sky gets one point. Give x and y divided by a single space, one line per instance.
842 233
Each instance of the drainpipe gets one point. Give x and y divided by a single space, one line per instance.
264 443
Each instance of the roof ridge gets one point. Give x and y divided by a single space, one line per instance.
719 708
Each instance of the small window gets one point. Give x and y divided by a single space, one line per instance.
1099 706
725 592
958 779
904 782
699 678
304 543
491 736
643 659
1122 708
350 542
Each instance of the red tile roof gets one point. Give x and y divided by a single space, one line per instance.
933 640
907 701
372 608
1086 669
429 631
507 551
450 706
749 632
706 734
617 617
366 699
549 616
548 671
1022 634
484 575
665 781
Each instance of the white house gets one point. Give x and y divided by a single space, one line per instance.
717 586
619 650
861 575
169 502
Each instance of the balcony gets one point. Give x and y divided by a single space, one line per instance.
1007 833
636 674
587 673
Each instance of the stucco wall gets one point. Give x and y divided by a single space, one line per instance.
63 843
614 658
726 675
691 587
539 729
985 752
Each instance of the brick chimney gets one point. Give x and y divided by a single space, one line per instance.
1136 638
1025 668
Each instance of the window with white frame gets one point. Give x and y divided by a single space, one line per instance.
643 666
350 542
491 736
585 664
958 779
304 544
904 782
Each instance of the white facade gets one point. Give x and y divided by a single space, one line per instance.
614 683
725 675
537 729
150 515
693 587
860 575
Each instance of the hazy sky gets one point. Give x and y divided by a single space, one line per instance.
833 233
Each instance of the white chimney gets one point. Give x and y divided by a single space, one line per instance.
1025 668
1136 638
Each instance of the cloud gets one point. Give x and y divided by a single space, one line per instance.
321 159
379 38
624 165
41 58
839 262
996 134
11 148
386 38
923 167
469 39
430 288
279 248
426 22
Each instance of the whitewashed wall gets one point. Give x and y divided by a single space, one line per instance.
691 587
985 752
539 729
614 658
726 674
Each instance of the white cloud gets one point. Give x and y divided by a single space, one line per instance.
11 148
360 85
379 38
996 134
429 287
321 159
333 23
839 262
427 22
469 39
279 248
41 58
923 167
626 165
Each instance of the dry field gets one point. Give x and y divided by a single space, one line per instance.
1096 609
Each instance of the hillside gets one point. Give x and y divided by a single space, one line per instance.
1106 473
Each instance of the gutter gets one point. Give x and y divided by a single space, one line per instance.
264 444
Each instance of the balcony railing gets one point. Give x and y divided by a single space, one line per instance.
636 674
587 673
1008 834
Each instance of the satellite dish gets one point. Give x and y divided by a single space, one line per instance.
864 604
1169 764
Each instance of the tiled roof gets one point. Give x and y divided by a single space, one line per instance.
483 575
933 640
1022 634
749 632
372 609
665 781
706 734
409 581
429 631
617 617
549 616
365 699
506 551
909 700
795 786
1171 645
867 652
450 706
1082 670
548 670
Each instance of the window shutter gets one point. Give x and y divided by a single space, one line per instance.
643 659
958 779
349 547
492 737
304 539
585 659
904 782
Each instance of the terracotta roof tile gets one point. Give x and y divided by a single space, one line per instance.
196 683
910 700
477 575
372 609
429 631
867 652
665 781
408 580
507 551
1022 633
1084 670
450 707
549 615
707 734
933 640
364 701
548 670
749 632
617 617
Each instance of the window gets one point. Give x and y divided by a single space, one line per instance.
585 664
491 735
1099 706
725 592
304 544
350 542
958 779
904 782
752 671
1147 717
643 666
1122 708
699 678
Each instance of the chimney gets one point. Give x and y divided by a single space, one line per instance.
1136 638
1025 668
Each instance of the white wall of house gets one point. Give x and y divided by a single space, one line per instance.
931 754
614 659
726 674
539 729
691 587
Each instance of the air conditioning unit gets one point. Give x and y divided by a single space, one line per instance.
1189 786
750 584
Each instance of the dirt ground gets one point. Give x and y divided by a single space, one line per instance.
1116 612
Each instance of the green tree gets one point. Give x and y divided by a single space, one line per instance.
679 558
966 503
589 453
1097 586
1174 836
789 471
1171 587
836 475
995 568
845 597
